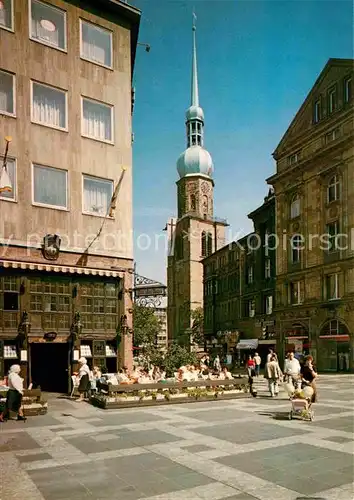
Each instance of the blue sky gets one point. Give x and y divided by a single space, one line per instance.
257 60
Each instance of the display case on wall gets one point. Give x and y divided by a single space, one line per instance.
100 353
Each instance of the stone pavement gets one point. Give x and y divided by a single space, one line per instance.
243 449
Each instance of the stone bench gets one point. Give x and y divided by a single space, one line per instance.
32 402
132 395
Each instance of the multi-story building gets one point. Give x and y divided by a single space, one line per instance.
66 225
161 314
314 188
239 284
196 233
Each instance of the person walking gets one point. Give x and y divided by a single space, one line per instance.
14 394
309 376
257 360
292 370
250 365
84 378
273 374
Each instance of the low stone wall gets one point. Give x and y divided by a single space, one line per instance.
125 396
32 402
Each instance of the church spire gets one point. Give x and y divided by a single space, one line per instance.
194 115
194 89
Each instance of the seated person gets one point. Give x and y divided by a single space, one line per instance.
123 377
226 374
144 378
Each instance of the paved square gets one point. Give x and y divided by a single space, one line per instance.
243 449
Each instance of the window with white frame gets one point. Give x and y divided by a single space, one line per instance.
49 186
7 93
295 208
6 14
97 195
317 111
294 158
48 24
97 120
251 308
347 89
332 230
250 274
266 243
332 100
96 44
11 170
332 136
332 286
267 269
333 189
49 106
269 304
296 247
296 293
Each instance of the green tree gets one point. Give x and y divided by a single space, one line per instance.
146 326
177 356
197 316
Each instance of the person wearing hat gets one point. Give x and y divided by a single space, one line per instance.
84 378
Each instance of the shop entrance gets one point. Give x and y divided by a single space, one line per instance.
49 366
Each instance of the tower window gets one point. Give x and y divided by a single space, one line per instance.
207 244
193 203
204 246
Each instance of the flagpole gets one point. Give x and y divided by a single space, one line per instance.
110 209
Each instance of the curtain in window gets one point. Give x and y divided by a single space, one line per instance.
97 120
331 287
95 44
45 23
97 196
6 92
42 33
49 186
295 208
48 106
5 13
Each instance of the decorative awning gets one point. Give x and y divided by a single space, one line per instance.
33 266
247 344
267 342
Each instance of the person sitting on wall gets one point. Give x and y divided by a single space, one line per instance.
225 374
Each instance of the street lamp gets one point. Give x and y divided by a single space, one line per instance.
5 181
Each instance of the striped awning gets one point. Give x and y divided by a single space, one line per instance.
33 266
247 344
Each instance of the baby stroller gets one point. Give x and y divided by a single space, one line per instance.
301 406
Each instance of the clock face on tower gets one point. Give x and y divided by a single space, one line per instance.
205 188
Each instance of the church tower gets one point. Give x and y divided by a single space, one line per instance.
196 233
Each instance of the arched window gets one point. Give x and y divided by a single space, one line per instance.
296 247
295 206
333 189
334 327
204 244
193 204
209 244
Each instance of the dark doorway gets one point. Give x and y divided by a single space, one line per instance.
49 366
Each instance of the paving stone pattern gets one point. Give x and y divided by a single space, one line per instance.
243 449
